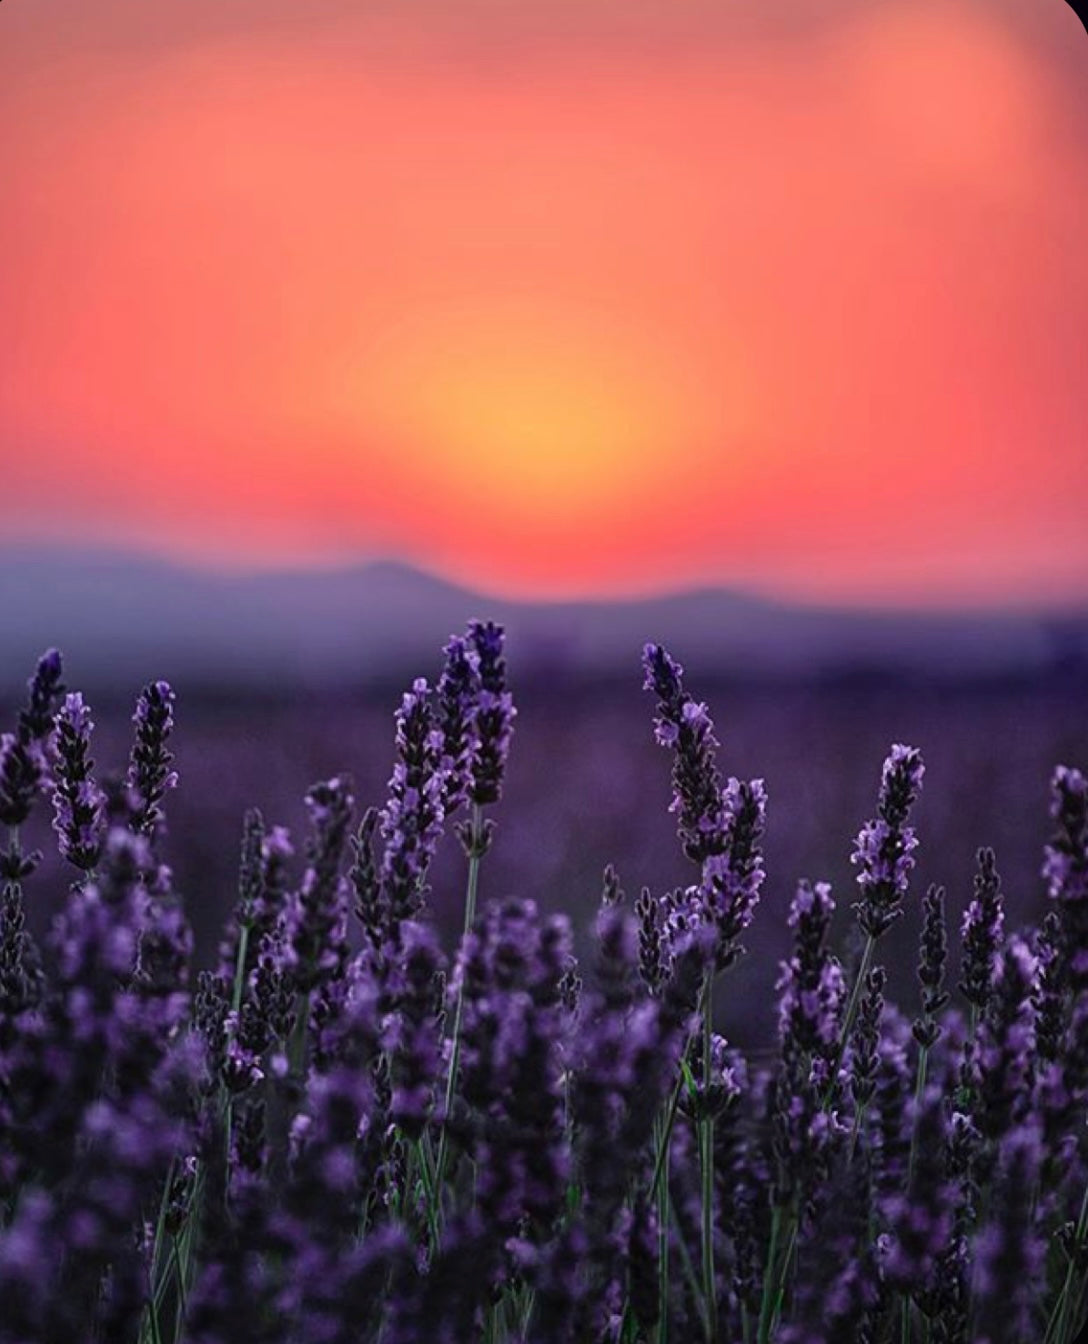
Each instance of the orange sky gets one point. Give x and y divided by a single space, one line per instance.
554 296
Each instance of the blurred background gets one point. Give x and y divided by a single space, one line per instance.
757 330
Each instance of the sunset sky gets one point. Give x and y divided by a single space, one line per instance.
554 297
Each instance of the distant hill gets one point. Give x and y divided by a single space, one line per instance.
121 618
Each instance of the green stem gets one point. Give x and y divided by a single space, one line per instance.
919 1089
766 1306
459 1010
1057 1326
848 1020
672 1108
151 1320
693 1280
662 1238
706 1146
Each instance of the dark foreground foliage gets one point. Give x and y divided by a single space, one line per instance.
343 1134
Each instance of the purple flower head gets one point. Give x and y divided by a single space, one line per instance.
1051 1003
78 802
412 1031
22 773
317 913
1065 867
684 726
933 954
149 775
983 934
811 984
921 1219
457 695
733 878
865 1039
617 956
44 690
495 713
652 951
23 764
513 1055
1007 1043
411 821
885 845
1008 1271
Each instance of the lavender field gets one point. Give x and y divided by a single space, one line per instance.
587 787
801 1059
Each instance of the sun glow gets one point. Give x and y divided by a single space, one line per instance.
538 413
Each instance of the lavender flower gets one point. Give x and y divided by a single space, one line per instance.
1007 1043
865 1039
885 845
982 932
811 984
495 713
719 828
22 771
1009 1253
411 822
1065 867
365 880
732 880
77 800
317 914
931 961
652 960
149 775
458 696
685 727
23 766
412 1034
921 1219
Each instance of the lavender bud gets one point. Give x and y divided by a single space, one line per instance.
411 822
684 726
866 1038
77 800
651 948
982 932
44 692
317 915
885 845
149 775
457 694
495 713
1065 868
933 953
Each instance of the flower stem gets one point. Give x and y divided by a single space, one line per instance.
662 1237
459 1010
706 1148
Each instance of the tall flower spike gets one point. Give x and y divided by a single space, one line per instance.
884 853
495 713
983 934
77 800
811 983
23 768
1065 868
684 726
411 822
149 775
457 693
317 915
44 692
732 880
933 953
